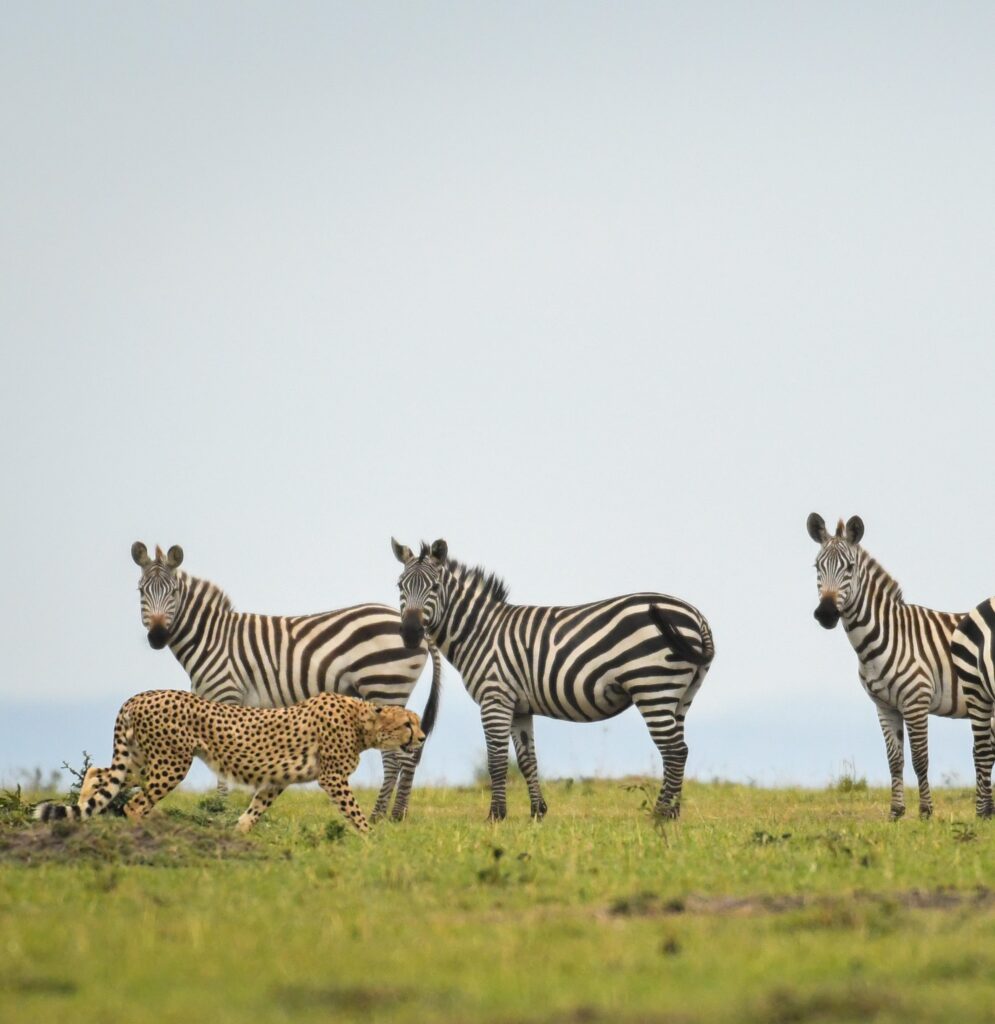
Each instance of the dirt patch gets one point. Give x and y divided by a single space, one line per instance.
157 841
355 999
646 904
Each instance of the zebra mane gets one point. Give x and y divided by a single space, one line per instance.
490 584
883 579
213 594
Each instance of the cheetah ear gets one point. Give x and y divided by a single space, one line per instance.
140 554
174 556
401 552
440 551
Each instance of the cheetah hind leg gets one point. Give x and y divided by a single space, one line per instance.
337 787
169 775
261 799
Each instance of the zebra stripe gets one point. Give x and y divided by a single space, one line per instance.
582 664
273 661
973 649
904 650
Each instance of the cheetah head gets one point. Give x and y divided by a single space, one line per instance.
392 728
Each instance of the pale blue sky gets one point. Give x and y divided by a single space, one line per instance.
610 296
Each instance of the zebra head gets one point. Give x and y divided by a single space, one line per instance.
159 588
423 585
836 565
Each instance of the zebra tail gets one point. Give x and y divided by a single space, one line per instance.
432 707
679 643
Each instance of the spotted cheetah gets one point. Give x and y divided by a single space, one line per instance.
158 734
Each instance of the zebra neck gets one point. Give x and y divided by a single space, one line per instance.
869 617
199 638
469 625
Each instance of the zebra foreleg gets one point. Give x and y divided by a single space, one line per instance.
525 753
496 714
984 758
409 762
391 767
916 721
894 739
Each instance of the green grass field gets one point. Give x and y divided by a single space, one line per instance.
760 905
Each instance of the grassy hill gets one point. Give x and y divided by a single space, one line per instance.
760 905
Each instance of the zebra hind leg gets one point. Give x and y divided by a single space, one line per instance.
391 767
984 758
916 720
523 736
663 710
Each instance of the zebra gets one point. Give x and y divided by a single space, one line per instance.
973 648
585 663
273 661
904 650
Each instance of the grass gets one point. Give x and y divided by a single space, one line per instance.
759 906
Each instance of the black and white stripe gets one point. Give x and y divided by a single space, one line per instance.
274 661
583 664
903 650
973 648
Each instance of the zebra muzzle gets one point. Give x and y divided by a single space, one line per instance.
158 637
412 630
827 614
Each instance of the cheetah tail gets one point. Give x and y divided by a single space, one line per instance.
432 707
100 785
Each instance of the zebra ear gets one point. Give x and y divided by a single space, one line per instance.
401 551
440 551
854 529
816 526
174 556
140 554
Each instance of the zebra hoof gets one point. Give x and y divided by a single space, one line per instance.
896 813
399 815
925 812
671 813
539 810
984 812
498 813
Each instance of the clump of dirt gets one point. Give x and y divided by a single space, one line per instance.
647 904
158 841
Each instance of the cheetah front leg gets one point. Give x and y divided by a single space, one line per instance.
261 800
336 785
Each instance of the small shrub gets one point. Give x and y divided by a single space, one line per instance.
13 809
335 831
213 803
848 781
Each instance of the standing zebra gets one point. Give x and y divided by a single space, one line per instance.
903 649
973 649
581 664
272 661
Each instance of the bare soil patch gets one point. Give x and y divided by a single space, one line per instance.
158 841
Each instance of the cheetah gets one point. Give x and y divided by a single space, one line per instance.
158 734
